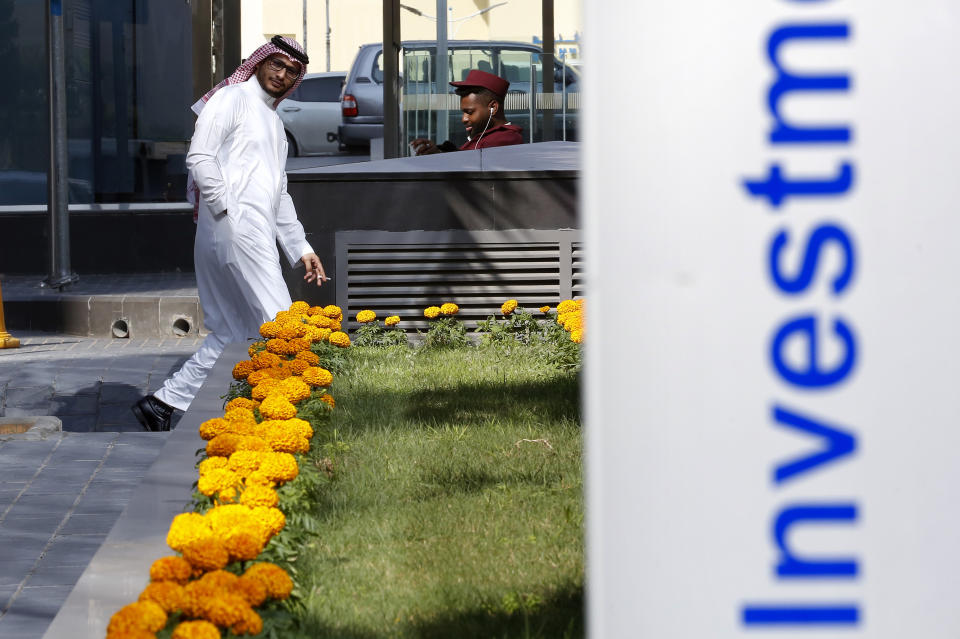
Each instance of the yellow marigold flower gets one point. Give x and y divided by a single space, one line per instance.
222 518
333 312
251 442
316 376
581 303
272 518
283 317
287 441
365 316
212 463
265 359
335 325
279 467
243 462
431 312
313 335
574 321
250 589
276 406
327 399
278 582
299 307
213 427
449 309
206 554
241 402
259 496
315 310
309 357
287 332
223 445
544 309
301 426
251 624
259 478
167 594
239 415
261 390
198 629
576 336
325 334
508 307
562 317
393 320
142 615
242 369
245 542
297 366
172 568
217 480
255 348
258 376
187 528
269 329
567 306
277 346
320 321
340 339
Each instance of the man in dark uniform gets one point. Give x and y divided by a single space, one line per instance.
482 96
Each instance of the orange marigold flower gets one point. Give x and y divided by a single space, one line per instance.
507 307
327 399
316 376
251 442
335 325
196 595
259 478
220 579
287 331
309 357
206 554
198 629
241 402
431 312
301 426
242 369
320 321
245 543
265 359
393 320
276 406
167 594
172 568
297 345
294 389
325 334
142 615
131 633
213 427
544 309
269 329
284 440
255 348
315 310
277 346
223 445
333 312
258 376
239 415
277 581
299 307
250 624
261 390
226 609
251 589
297 366
449 309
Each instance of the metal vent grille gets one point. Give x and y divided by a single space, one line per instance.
403 273
578 266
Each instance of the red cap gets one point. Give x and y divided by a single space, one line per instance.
477 78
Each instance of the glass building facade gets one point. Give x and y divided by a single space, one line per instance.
129 74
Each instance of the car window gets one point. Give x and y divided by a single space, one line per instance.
377 71
318 90
514 66
463 60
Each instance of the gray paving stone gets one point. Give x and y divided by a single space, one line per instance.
71 468
112 393
88 525
5 593
74 405
16 569
7 495
39 505
117 414
52 485
79 423
50 574
73 549
31 527
32 611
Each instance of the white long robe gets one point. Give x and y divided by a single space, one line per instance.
237 158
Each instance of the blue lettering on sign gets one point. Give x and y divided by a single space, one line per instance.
796 281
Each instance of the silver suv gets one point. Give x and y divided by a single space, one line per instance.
362 98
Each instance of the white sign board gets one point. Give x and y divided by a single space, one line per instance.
773 406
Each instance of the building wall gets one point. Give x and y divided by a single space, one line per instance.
357 22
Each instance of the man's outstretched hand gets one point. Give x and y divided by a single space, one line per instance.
314 269
423 146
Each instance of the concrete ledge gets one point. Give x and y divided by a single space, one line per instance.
121 568
35 427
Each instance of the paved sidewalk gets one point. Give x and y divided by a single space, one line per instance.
59 497
88 382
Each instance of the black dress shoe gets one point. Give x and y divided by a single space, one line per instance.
153 414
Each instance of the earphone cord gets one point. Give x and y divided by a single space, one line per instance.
477 145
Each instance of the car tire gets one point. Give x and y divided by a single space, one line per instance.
292 150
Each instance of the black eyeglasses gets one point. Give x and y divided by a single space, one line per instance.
275 64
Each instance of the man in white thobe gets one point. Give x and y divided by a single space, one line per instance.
236 160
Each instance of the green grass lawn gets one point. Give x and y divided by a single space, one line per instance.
433 514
